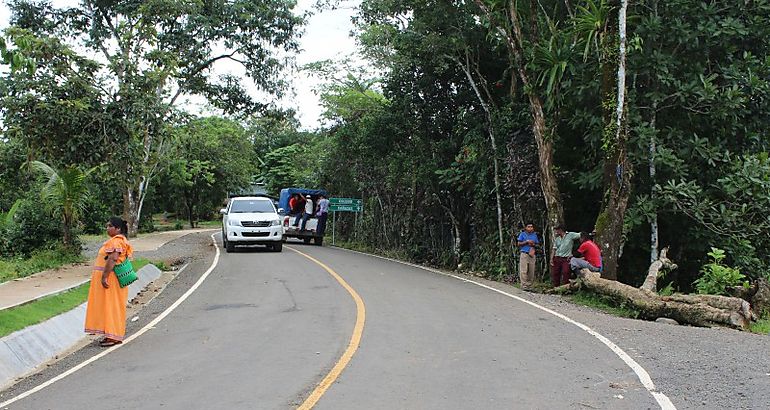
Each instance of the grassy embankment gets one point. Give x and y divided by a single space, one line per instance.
37 311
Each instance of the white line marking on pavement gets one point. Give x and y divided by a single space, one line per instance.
140 332
644 377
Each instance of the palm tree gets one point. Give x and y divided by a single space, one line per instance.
65 194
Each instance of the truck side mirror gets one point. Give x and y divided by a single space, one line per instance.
223 211
281 210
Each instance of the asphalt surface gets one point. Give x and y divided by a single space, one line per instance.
265 328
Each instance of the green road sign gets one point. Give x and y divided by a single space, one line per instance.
346 205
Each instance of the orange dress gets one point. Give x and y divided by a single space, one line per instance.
106 309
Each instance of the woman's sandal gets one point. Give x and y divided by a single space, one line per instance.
109 342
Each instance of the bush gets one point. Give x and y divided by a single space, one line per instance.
146 224
37 261
717 277
32 228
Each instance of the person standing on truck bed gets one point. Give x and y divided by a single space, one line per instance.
293 204
309 208
322 213
299 206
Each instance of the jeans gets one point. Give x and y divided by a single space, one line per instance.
305 217
321 224
579 263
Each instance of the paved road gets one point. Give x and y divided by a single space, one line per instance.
265 328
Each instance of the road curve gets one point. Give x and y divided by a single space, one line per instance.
265 328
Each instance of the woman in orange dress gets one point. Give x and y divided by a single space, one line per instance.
106 309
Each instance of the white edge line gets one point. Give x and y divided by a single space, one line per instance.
644 377
129 339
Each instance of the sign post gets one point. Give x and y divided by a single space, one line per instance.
343 205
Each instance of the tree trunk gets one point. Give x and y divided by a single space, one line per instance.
617 167
67 231
651 282
654 219
133 200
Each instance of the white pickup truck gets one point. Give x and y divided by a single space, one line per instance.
251 220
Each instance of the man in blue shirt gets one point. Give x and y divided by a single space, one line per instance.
527 241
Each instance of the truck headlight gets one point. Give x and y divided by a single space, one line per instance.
232 222
275 222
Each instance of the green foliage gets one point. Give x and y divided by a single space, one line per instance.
31 228
15 57
211 157
65 193
717 277
734 208
155 52
667 290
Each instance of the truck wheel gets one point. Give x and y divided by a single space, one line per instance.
319 240
229 247
277 247
307 240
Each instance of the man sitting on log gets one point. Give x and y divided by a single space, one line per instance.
590 255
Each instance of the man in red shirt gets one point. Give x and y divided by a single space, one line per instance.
591 256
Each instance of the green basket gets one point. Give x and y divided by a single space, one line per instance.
125 273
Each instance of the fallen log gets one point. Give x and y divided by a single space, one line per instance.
652 306
758 294
696 310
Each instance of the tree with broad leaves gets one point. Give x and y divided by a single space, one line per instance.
158 51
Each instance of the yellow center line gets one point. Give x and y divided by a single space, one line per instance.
355 339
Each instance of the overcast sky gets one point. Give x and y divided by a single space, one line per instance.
326 37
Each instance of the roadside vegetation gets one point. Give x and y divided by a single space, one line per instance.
18 267
37 311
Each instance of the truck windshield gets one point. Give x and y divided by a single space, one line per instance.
244 206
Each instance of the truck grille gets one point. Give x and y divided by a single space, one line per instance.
255 224
254 234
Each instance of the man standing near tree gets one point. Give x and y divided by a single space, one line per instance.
561 254
526 242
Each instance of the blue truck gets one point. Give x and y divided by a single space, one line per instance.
290 218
